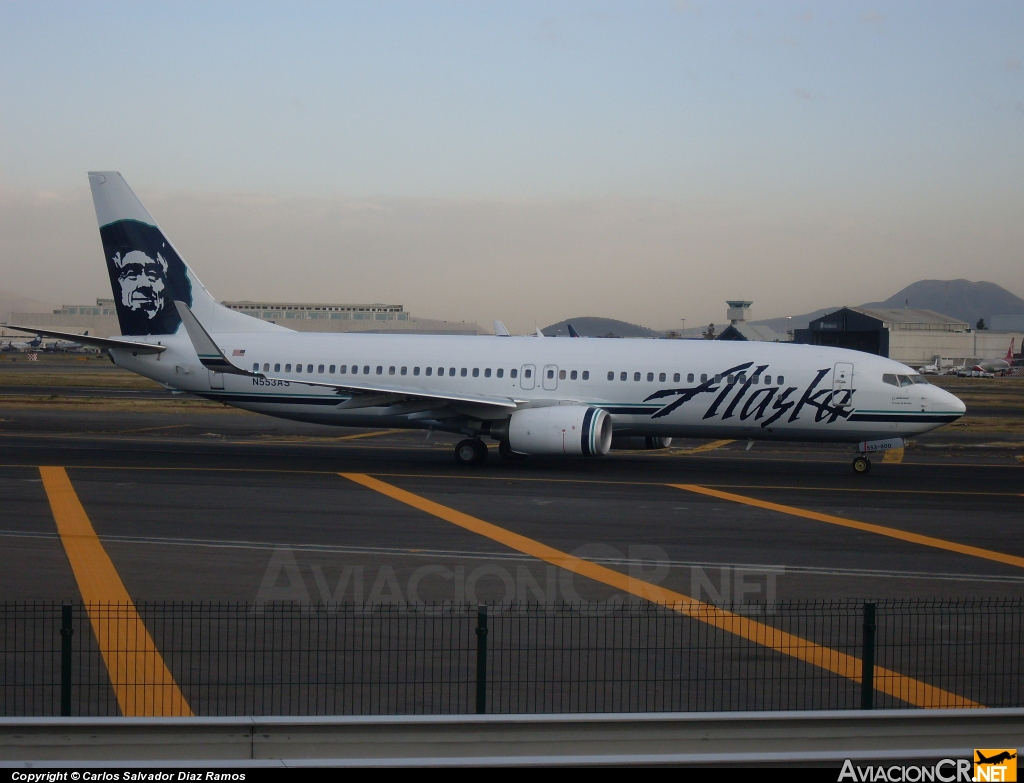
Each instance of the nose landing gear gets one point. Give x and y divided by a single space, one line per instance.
471 451
861 464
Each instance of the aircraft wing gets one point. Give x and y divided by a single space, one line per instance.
99 342
363 394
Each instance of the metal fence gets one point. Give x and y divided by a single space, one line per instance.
291 659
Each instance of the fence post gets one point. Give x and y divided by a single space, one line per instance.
67 630
481 660
867 675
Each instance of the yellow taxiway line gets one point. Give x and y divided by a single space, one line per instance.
140 678
887 681
890 532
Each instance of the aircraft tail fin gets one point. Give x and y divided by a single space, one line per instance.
1009 351
146 273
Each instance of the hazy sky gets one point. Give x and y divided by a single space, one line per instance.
523 161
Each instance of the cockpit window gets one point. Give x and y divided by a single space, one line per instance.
905 380
918 379
890 379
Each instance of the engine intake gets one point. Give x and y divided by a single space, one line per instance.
565 430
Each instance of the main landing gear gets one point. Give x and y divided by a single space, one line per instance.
861 464
471 451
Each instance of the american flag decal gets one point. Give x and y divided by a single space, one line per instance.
238 352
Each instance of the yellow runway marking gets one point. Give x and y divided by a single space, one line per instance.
893 455
881 530
140 678
887 681
716 444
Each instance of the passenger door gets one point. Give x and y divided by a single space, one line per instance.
550 379
526 379
842 383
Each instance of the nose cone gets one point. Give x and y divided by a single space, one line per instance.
944 402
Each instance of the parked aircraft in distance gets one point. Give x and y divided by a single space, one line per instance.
997 365
533 396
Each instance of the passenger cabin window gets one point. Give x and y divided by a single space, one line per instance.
476 372
511 373
320 368
430 370
266 367
487 373
366 369
551 374
415 370
650 377
611 376
287 368
331 369
661 377
391 370
561 374
767 380
405 371
256 367
501 372
622 376
298 368
463 372
636 376
689 377
451 372
780 380
572 375
527 373
343 369
704 378
309 368
380 370
277 368
586 375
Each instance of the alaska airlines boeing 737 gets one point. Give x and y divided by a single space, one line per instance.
533 396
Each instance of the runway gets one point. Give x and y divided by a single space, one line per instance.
202 503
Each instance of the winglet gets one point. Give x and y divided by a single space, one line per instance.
539 332
572 332
500 330
211 357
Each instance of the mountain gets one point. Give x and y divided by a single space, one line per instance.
959 298
589 326
11 302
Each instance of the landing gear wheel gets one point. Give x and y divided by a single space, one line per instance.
470 452
506 453
861 465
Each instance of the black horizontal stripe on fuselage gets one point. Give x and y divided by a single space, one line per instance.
927 418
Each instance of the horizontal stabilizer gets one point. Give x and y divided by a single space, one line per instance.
98 342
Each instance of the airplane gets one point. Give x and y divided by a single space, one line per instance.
27 345
561 397
935 368
66 345
997 365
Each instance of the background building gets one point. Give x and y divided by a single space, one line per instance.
739 328
100 319
914 337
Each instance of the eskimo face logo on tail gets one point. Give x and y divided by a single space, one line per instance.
146 276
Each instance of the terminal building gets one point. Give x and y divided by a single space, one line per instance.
914 337
100 319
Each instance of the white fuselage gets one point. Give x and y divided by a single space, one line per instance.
662 388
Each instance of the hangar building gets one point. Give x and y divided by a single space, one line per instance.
914 337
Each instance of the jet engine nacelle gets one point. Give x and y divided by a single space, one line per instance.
640 442
565 430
